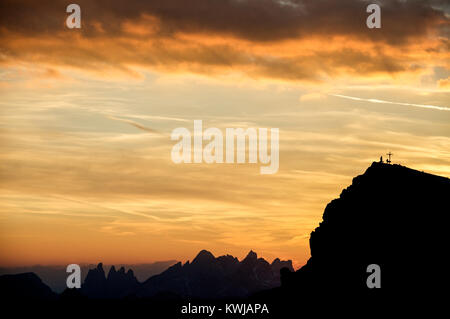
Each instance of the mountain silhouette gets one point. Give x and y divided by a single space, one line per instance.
117 284
391 216
24 286
205 277
55 275
210 277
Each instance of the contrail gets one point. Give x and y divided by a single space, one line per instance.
424 106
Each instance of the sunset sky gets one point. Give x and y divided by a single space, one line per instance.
86 116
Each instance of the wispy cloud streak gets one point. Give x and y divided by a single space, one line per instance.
425 106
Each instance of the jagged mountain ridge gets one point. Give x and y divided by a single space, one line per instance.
117 284
55 275
205 277
210 277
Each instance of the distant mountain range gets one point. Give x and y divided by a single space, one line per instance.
55 276
211 277
206 277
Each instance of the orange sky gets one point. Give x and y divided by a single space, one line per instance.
81 182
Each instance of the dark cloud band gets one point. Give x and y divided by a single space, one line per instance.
254 20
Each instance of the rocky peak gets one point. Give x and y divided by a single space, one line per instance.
203 257
112 271
251 257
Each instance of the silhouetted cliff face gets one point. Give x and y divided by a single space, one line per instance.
24 286
391 216
210 277
118 284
